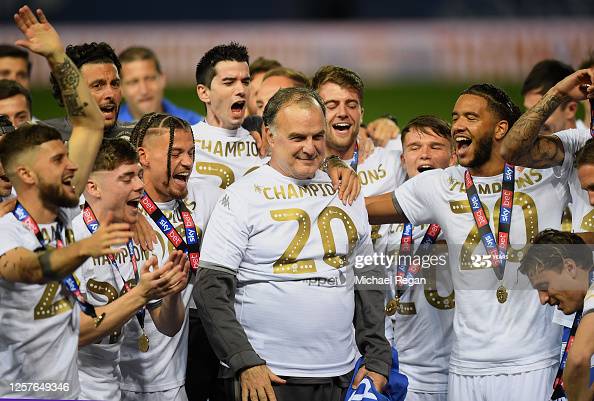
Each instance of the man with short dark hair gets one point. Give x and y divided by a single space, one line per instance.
15 64
559 266
15 102
258 68
100 68
279 302
143 86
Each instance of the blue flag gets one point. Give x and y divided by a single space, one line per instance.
395 389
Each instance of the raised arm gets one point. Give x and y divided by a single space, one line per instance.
83 112
524 145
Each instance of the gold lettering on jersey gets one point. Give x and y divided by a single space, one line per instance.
370 176
236 149
111 294
122 257
375 235
217 169
588 222
525 179
293 191
432 295
288 262
530 216
46 307
328 214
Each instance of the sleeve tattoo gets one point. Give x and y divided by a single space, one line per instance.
68 78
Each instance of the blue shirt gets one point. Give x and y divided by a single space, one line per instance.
169 108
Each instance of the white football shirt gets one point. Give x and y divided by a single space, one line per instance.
163 367
222 155
423 324
40 323
292 244
489 337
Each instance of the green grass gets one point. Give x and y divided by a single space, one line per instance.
403 100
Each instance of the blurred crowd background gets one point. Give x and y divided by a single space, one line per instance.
415 56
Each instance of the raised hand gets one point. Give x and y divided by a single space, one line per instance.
40 35
171 278
108 236
577 86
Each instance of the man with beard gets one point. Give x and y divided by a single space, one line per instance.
40 324
143 86
427 308
342 92
178 212
279 307
505 344
100 68
121 285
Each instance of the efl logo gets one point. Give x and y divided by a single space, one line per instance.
148 205
20 212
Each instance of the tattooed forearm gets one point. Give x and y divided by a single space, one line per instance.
68 78
525 145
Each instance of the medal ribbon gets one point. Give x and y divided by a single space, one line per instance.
497 249
69 281
93 225
591 117
406 249
192 246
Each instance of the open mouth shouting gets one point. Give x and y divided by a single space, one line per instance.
238 108
181 178
67 182
463 142
109 111
424 167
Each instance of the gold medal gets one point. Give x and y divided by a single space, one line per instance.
392 306
99 319
143 343
501 294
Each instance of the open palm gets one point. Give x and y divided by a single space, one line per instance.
41 37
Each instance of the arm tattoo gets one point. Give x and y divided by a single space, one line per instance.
68 78
46 265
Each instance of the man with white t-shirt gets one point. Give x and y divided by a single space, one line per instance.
505 344
422 308
559 266
40 323
178 211
121 285
276 286
381 172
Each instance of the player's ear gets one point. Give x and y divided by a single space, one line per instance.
92 188
143 157
25 174
203 93
269 136
501 129
571 267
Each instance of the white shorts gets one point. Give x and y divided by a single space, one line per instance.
536 385
176 394
414 396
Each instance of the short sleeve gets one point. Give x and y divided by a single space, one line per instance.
573 140
226 237
416 197
11 234
589 300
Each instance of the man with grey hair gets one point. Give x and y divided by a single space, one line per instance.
280 252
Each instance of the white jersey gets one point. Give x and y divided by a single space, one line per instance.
98 363
163 367
40 324
582 213
423 324
589 300
489 337
292 244
380 173
222 155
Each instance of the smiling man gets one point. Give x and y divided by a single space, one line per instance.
278 270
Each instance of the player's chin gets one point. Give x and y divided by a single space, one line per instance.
306 169
68 200
178 192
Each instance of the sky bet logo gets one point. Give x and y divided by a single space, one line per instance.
191 235
164 224
508 173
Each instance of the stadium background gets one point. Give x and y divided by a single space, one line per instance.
415 57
